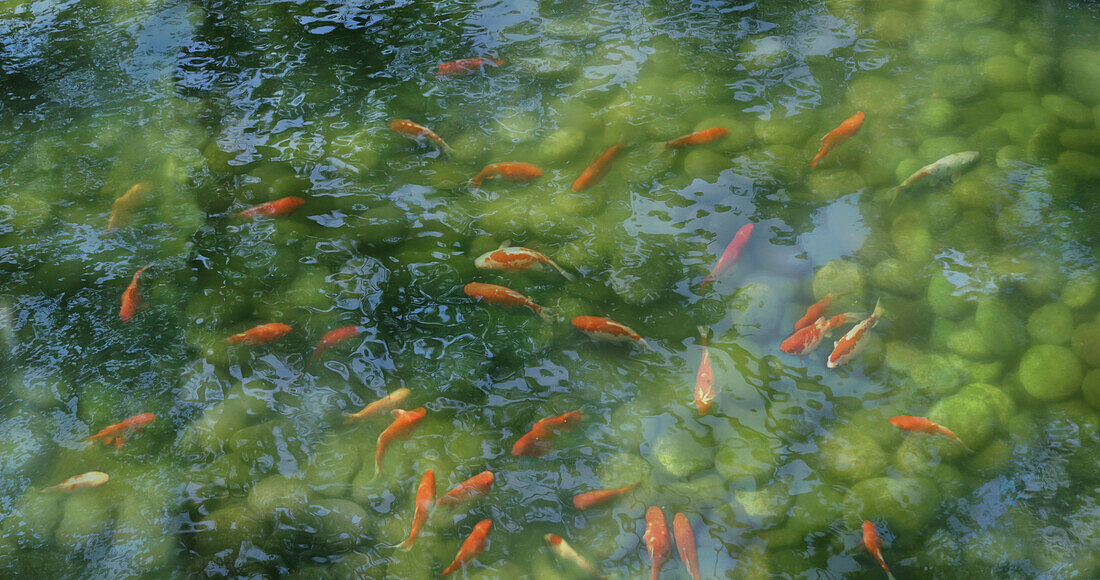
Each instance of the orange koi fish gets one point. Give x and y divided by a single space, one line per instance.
473 546
923 425
657 541
567 554
731 255
817 309
806 339
704 379
131 299
516 259
125 204
504 296
511 170
842 133
401 427
469 490
685 544
120 432
599 497
872 541
425 499
262 334
601 328
82 481
536 442
275 209
850 344
333 338
698 138
418 132
379 407
599 168
465 66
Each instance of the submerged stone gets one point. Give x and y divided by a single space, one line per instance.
1050 373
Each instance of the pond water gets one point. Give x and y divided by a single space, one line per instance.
988 281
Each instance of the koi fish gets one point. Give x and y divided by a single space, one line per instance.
418 132
118 433
952 166
82 481
469 490
536 442
566 553
425 499
599 168
131 299
657 541
806 339
465 66
262 334
511 170
704 379
504 296
402 427
872 541
333 338
125 204
698 138
473 546
731 255
850 344
817 309
685 544
923 425
279 208
842 133
601 328
599 497
379 407
515 259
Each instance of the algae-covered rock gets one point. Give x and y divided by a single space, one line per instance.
1001 402
987 42
1050 373
908 503
827 185
623 469
1042 73
1081 76
1051 323
1080 288
851 455
332 465
838 277
1004 332
765 506
956 82
277 493
31 524
894 26
968 341
1081 166
893 275
876 96
970 417
87 518
782 130
936 115
744 455
228 528
1085 343
681 453
1070 111
705 163
1005 72
944 299
1086 140
1090 388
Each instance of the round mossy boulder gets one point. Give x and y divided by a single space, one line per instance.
681 453
851 455
1004 332
1051 324
908 503
1050 373
1090 388
839 276
972 419
1085 343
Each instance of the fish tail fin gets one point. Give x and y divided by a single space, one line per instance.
704 331
50 489
878 311
706 281
475 182
893 193
889 576
646 345
406 545
118 442
446 149
567 275
316 355
377 468
547 315
348 417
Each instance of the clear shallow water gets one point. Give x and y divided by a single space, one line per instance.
248 471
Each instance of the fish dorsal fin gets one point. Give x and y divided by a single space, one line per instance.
505 244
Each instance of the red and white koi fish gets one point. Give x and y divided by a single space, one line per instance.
599 168
420 133
817 309
425 499
697 138
685 544
469 490
275 209
333 338
262 334
516 259
82 481
923 425
601 328
806 339
872 542
379 407
567 554
599 497
657 541
125 205
504 296
517 171
474 545
401 427
704 379
465 66
131 299
731 255
951 166
842 133
118 433
536 442
850 344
